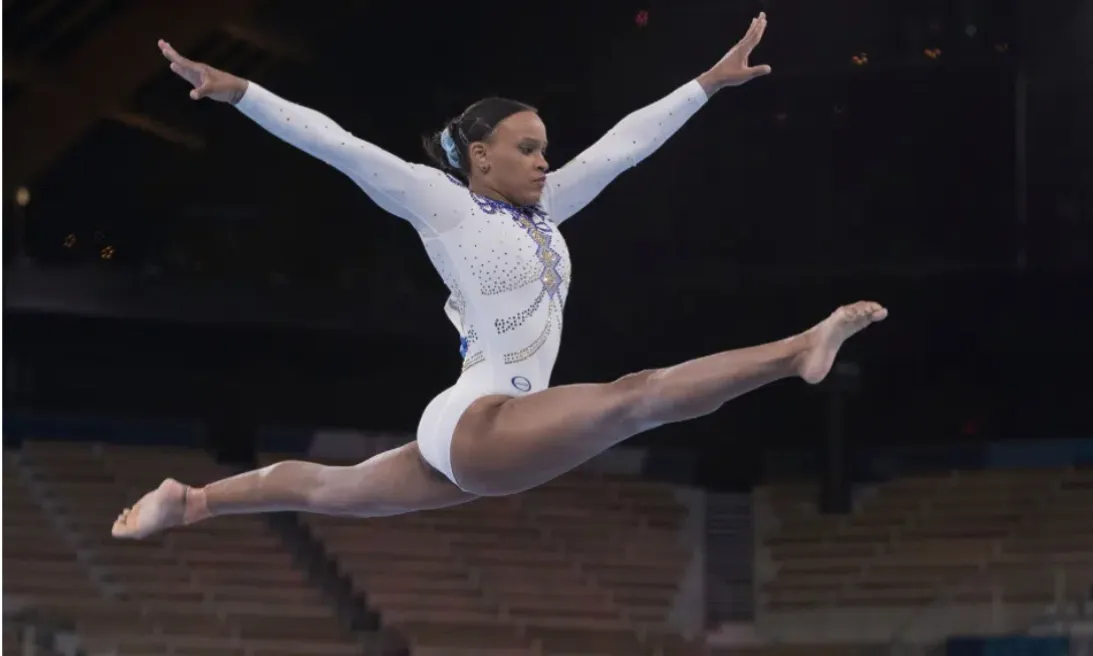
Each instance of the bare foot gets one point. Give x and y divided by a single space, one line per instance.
826 337
160 509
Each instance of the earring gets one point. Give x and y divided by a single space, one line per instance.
485 168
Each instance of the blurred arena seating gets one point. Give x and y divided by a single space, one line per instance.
1005 536
222 588
799 650
591 564
588 564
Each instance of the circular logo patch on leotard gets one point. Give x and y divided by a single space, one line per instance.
521 383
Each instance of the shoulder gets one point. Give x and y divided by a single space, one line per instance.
431 176
421 185
552 208
442 201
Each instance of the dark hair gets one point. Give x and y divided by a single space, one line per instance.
477 123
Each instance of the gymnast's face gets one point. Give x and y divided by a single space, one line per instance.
513 160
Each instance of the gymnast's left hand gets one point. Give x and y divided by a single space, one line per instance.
734 68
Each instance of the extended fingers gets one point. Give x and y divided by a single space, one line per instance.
186 69
172 55
760 28
755 31
746 39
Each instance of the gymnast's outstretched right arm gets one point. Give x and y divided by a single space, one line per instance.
413 192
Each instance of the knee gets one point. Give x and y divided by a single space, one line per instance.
334 491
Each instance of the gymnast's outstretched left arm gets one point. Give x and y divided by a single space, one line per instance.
638 135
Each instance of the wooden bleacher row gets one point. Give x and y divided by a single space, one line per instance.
221 588
801 650
584 565
971 535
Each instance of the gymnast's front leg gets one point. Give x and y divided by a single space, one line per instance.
392 483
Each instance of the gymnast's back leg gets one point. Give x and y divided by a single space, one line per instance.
504 445
391 483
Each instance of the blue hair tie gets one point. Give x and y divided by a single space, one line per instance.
450 149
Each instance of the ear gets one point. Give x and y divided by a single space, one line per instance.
479 155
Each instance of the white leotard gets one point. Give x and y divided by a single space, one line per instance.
507 268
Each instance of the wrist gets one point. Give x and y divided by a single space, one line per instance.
239 89
710 83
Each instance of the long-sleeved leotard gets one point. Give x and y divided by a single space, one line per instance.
507 267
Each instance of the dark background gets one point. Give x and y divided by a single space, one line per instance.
174 260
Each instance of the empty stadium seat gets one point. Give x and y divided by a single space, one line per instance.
586 564
225 586
970 535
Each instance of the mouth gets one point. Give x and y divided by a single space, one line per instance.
539 182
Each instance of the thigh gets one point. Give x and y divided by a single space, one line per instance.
435 428
504 445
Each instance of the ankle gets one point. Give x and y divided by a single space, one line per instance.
195 505
798 348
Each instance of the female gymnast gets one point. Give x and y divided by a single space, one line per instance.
489 217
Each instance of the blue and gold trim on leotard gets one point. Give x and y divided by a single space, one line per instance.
533 220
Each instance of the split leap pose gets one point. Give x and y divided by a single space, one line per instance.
488 215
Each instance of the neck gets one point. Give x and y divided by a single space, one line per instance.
482 189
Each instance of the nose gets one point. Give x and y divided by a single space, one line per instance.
542 164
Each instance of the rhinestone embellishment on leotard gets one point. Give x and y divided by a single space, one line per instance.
512 323
530 349
475 358
533 220
533 348
548 267
526 274
466 341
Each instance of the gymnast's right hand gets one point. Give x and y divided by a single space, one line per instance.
208 82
